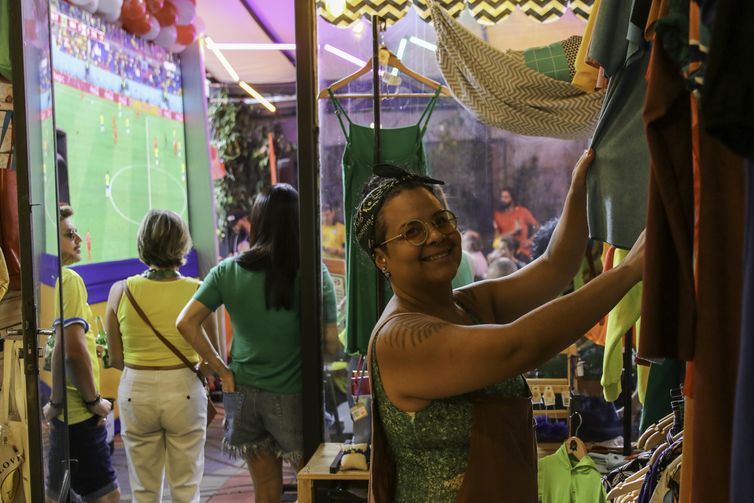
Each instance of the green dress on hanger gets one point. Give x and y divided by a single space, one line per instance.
403 147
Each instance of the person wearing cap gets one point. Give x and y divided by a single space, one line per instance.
240 227
452 416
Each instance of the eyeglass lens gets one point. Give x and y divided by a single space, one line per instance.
417 231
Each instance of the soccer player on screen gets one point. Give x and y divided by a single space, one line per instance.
108 194
88 239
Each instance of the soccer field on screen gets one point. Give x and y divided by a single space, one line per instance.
121 163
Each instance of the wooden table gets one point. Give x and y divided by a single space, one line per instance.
318 468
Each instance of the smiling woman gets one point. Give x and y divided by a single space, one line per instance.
453 418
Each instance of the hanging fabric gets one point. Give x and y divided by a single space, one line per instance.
9 239
617 180
400 146
502 91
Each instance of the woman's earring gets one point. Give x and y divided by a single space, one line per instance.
385 272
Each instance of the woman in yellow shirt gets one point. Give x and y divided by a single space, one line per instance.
163 406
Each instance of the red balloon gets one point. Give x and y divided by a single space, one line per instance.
133 10
155 6
137 27
167 15
186 34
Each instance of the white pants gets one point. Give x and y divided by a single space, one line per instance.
163 416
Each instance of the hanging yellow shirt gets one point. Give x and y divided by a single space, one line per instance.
334 237
161 301
76 310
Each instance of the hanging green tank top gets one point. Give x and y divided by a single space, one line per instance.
403 147
431 447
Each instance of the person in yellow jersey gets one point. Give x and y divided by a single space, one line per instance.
333 233
163 406
94 479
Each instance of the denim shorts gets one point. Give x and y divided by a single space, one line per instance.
92 474
258 421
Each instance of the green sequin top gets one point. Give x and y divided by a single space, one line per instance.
431 447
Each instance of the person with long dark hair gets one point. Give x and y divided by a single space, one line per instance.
260 290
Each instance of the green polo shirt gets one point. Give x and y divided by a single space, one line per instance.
562 479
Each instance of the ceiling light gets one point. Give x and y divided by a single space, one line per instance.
423 43
343 54
335 7
358 27
399 54
238 46
254 94
226 64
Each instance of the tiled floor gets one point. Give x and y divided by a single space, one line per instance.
224 481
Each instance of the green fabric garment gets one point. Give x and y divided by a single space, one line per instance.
266 347
663 377
465 274
431 447
562 479
556 60
5 66
619 321
400 146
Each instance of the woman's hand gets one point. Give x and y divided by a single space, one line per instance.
578 177
228 380
635 258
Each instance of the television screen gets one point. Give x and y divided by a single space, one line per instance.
119 107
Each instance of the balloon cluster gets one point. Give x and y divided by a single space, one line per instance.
171 24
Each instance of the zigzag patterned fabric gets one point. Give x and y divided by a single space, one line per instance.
582 8
503 92
490 12
452 7
544 11
391 11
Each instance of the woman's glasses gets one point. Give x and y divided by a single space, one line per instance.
416 231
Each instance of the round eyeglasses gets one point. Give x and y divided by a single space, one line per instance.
416 231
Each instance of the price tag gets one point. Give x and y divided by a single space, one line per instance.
359 411
536 395
548 396
566 397
580 368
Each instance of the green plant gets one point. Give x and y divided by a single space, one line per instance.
241 139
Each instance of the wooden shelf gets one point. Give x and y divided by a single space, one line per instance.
318 468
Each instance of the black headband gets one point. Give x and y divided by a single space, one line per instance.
365 217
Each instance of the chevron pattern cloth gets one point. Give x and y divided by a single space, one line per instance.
391 11
582 8
452 7
503 92
544 11
486 12
490 12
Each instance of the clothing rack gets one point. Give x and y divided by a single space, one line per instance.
627 391
376 28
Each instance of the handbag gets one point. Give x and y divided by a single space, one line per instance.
211 410
14 471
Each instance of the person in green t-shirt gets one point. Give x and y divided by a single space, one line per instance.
262 386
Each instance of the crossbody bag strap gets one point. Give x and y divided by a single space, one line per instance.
167 343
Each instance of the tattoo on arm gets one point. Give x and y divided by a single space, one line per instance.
412 331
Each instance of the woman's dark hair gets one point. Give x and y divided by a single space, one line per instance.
379 227
274 244
541 239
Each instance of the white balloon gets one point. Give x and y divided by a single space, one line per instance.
110 8
166 37
185 9
201 28
91 6
154 29
177 48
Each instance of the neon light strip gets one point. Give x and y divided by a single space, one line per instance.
344 55
246 87
226 64
422 43
238 46
400 53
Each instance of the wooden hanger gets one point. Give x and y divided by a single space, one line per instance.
575 447
389 59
